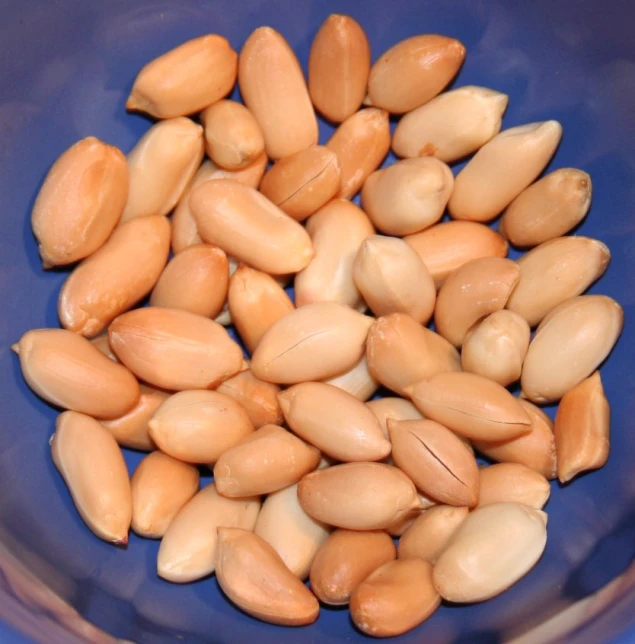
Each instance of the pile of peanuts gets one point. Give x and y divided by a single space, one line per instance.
310 479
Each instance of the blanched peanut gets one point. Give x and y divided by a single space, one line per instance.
554 272
392 278
256 302
395 598
184 230
472 292
290 531
174 349
471 405
161 166
268 460
80 202
408 196
199 426
196 280
253 576
185 79
570 343
337 231
272 86
93 468
339 64
401 352
547 209
69 372
161 486
387 408
344 560
452 125
303 182
536 449
446 247
361 143
413 71
314 342
334 421
131 429
436 460
357 381
248 227
492 549
512 483
496 347
233 139
189 545
358 496
116 277
582 429
258 398
502 169
428 535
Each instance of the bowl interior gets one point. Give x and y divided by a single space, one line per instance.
65 71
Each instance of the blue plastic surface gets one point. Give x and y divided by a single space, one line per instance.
65 69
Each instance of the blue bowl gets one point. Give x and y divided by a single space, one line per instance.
65 70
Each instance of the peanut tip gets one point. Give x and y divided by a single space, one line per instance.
122 542
16 348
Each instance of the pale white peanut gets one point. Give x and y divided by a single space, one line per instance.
357 381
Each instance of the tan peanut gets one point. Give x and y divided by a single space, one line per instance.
302 183
199 426
570 343
388 408
92 465
189 546
554 272
339 64
233 139
472 292
161 486
174 349
428 535
80 202
161 165
451 125
471 405
290 531
248 227
254 577
344 560
392 278
491 550
496 347
502 169
536 449
357 381
256 303
358 496
272 86
337 231
408 196
548 208
334 421
413 71
185 79
361 143
196 280
447 246
395 598
512 483
116 277
436 460
131 429
582 429
401 352
314 342
268 460
69 372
